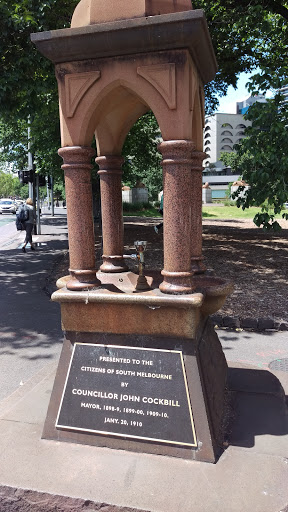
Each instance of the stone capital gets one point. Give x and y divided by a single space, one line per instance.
176 151
197 160
109 164
75 156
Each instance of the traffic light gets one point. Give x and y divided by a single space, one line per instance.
49 181
42 181
25 177
21 177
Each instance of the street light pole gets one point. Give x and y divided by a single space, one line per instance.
30 161
52 196
38 205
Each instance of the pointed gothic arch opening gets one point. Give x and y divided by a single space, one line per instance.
142 157
112 115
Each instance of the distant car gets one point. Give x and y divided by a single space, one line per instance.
7 206
286 205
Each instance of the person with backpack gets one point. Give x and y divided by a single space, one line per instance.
28 223
160 226
22 215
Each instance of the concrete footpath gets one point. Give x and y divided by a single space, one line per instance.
40 475
30 328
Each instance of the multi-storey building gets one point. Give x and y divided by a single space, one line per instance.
242 106
221 133
284 91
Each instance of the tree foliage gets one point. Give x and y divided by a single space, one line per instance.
28 88
232 160
27 83
44 143
262 161
142 158
10 186
246 35
14 144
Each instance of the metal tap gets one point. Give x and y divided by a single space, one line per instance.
140 247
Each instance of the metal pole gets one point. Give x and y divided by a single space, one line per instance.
48 193
52 197
30 159
34 195
38 205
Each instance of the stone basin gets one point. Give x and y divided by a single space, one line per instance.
214 289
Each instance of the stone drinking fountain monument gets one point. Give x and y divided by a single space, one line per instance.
140 370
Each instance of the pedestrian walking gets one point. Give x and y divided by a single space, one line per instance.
159 226
29 224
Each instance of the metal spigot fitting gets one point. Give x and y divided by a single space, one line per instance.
142 283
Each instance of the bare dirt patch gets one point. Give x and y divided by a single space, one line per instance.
254 260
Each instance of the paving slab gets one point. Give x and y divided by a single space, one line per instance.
247 477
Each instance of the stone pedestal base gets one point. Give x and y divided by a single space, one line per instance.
205 369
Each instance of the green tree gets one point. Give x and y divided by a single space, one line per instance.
232 160
240 32
263 161
59 191
9 185
245 35
27 83
44 144
28 87
142 157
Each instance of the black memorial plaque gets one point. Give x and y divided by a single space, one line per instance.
129 392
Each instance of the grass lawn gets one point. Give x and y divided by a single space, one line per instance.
229 212
218 212
149 212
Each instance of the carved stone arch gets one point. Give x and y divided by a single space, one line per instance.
110 141
114 108
163 78
76 87
114 122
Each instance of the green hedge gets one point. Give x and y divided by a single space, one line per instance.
135 207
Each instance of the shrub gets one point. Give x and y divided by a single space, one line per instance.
134 207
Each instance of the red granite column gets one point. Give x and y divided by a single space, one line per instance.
112 217
197 265
77 168
177 216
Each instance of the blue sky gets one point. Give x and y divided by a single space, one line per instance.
228 103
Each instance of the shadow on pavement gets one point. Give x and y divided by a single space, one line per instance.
60 220
28 318
259 406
